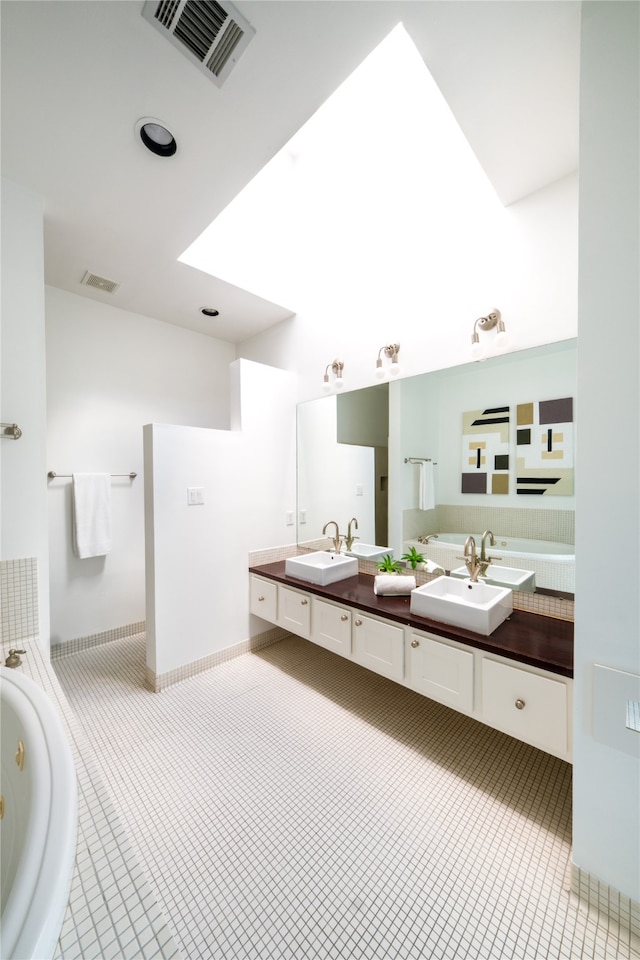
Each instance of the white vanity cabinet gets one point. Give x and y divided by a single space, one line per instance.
331 626
263 598
294 611
441 670
378 645
528 704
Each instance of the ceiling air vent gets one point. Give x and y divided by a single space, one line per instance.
99 283
212 35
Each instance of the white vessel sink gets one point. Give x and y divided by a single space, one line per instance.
321 567
474 606
498 576
369 551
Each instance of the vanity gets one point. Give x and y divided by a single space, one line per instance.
517 680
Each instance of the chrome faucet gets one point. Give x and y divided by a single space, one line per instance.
349 537
337 540
429 536
471 561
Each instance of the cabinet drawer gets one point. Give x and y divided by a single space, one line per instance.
331 626
264 599
530 707
294 611
378 646
441 671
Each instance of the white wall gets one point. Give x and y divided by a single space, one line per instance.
606 823
430 309
23 492
108 373
197 556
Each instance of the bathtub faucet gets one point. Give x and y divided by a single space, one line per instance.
13 660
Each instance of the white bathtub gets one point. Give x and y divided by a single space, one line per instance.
553 563
39 827
514 547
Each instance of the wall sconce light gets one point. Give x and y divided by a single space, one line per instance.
491 321
391 351
336 368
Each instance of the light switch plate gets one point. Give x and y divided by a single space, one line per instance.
195 496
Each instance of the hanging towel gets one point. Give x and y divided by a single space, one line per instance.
393 584
426 490
91 518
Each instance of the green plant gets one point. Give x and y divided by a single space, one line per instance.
413 558
389 565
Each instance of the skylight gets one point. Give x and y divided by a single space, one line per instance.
380 172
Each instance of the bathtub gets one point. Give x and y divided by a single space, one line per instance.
39 824
553 563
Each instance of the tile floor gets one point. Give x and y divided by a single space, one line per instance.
290 804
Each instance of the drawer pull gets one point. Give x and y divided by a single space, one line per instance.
260 599
304 602
345 616
415 643
358 623
520 704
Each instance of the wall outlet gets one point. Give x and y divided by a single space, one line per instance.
302 517
359 490
291 518
195 496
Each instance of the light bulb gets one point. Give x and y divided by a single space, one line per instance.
476 348
394 370
339 383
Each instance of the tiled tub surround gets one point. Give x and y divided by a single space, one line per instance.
290 804
113 912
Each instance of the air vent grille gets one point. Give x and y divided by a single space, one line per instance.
99 283
212 35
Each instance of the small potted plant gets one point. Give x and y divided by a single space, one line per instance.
389 565
415 560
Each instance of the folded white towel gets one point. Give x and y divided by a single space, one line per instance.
426 489
391 584
91 514
430 566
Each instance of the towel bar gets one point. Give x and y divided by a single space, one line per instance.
52 475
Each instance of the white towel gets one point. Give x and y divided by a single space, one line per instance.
91 514
430 566
426 488
393 584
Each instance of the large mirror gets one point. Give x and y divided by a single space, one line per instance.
393 457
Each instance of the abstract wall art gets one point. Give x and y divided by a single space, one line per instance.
544 448
485 451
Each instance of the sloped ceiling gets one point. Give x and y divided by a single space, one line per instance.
78 74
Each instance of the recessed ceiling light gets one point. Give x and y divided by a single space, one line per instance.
210 312
156 137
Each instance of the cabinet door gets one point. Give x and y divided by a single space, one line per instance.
264 599
331 626
530 707
378 646
294 611
441 671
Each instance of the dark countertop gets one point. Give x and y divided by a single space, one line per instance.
544 642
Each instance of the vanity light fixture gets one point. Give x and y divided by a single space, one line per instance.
491 321
336 367
391 351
